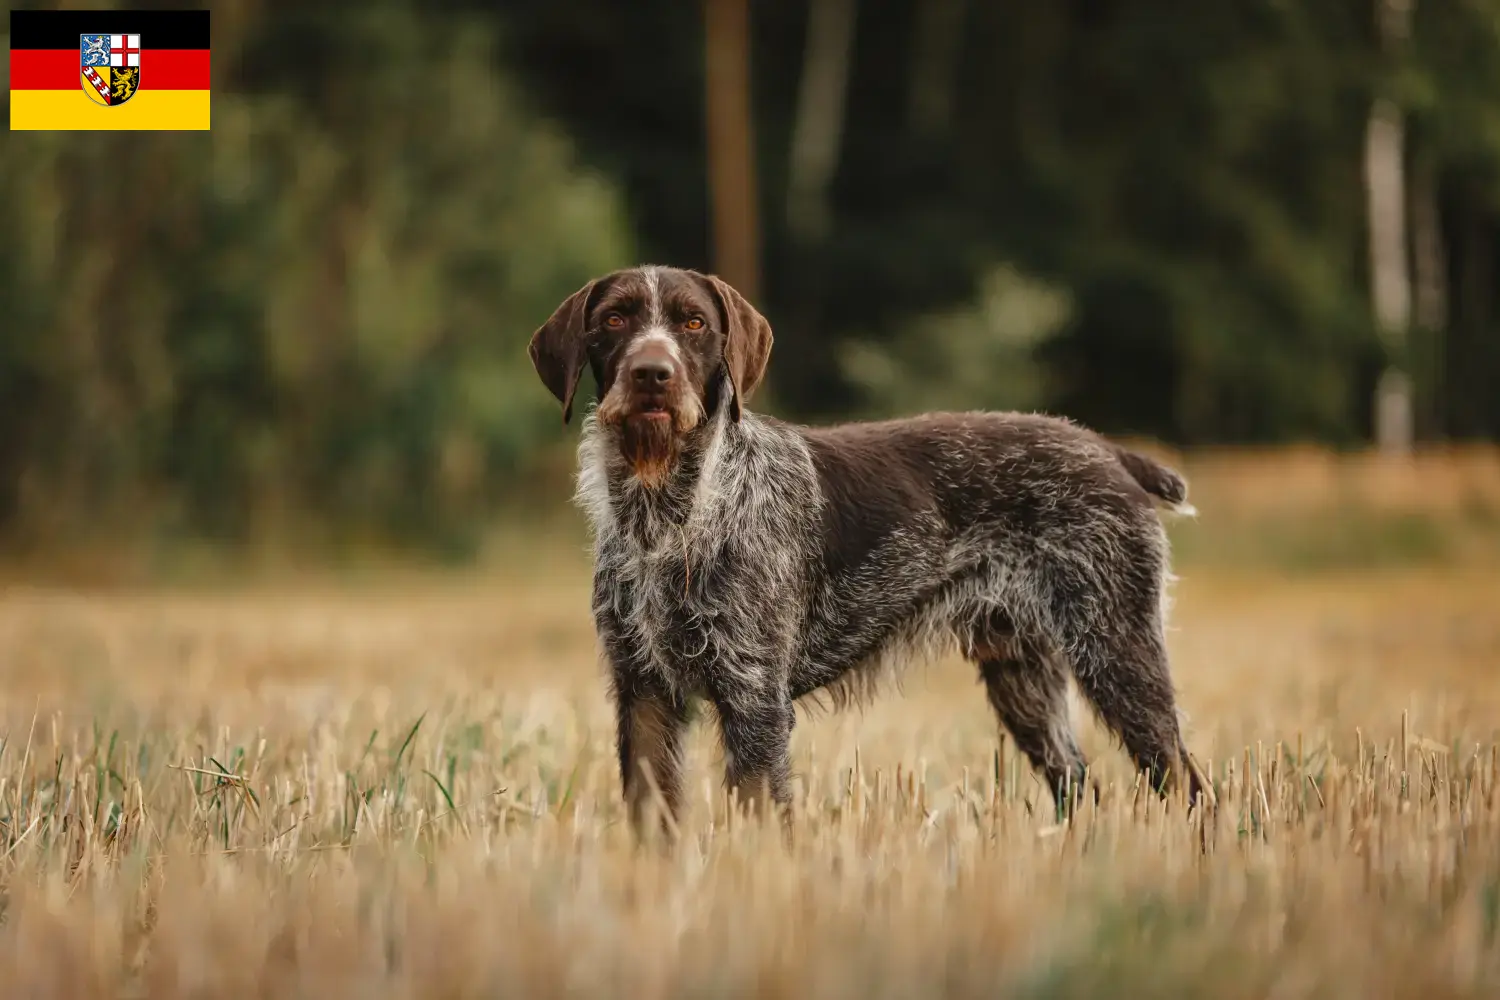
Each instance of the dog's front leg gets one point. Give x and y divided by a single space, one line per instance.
755 725
650 723
651 719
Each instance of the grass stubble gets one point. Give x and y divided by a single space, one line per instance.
303 792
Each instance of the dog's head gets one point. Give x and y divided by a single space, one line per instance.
658 340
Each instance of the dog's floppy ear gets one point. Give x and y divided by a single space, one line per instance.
747 341
556 348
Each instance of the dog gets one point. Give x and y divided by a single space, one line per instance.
750 562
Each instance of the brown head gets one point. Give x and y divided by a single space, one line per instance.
658 341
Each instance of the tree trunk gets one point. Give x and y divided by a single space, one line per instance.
731 146
1390 282
1468 414
1429 296
935 52
819 126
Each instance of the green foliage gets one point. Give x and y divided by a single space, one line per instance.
320 306
316 312
976 356
1193 184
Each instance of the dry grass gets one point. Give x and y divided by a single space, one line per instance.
409 791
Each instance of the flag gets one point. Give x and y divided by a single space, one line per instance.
116 69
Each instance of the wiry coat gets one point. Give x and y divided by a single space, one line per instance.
774 561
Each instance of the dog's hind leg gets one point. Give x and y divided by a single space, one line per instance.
1029 692
1122 669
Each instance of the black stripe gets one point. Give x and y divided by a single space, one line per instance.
59 29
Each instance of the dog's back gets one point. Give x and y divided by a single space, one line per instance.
930 524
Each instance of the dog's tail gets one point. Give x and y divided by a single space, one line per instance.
1156 479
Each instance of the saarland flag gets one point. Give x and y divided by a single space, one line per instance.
114 69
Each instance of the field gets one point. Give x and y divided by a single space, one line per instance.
404 786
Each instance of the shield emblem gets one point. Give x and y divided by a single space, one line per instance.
110 67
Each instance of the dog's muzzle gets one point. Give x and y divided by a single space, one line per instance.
654 382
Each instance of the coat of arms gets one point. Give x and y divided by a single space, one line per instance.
111 67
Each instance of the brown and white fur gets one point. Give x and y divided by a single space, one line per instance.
751 562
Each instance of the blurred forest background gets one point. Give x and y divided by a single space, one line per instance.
1204 223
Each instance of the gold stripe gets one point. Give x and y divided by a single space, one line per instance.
73 110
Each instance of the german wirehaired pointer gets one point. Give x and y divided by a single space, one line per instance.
749 562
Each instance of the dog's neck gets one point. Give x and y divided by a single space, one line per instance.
618 502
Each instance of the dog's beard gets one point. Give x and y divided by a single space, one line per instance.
651 446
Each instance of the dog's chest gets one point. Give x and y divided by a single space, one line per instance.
668 599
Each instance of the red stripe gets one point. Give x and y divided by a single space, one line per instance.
59 69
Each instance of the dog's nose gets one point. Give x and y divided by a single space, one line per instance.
649 373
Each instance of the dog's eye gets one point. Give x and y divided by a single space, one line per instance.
614 321
694 324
